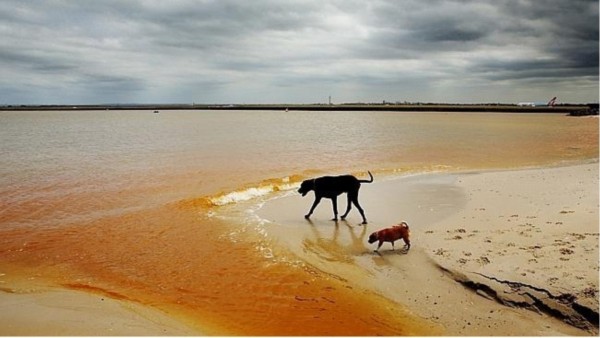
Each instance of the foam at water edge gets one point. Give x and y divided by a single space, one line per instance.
250 193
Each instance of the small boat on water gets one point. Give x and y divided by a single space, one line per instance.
156 112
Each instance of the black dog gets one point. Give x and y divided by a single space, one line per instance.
332 187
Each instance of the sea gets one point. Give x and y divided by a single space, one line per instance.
133 204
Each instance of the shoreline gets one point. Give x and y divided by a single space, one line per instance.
453 251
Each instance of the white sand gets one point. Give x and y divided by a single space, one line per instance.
531 236
491 251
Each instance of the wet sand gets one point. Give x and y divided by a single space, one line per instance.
494 253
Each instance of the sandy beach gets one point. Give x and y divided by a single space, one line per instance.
494 253
528 239
63 312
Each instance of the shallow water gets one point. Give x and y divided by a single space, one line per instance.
127 203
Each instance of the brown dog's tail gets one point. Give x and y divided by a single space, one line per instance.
405 225
365 181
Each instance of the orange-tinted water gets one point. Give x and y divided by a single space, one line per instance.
122 203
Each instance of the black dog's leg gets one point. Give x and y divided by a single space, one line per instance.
347 208
316 202
335 211
362 213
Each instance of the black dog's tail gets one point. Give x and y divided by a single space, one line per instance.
365 181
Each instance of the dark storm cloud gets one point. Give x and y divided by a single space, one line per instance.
298 51
567 31
36 63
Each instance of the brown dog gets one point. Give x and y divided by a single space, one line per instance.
391 235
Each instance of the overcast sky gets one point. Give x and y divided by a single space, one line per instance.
267 51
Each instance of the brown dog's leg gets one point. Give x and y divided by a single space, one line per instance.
379 246
407 241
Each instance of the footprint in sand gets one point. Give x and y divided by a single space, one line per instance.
483 260
577 236
566 251
590 292
522 233
441 252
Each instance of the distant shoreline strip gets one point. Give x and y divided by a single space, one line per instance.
493 108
